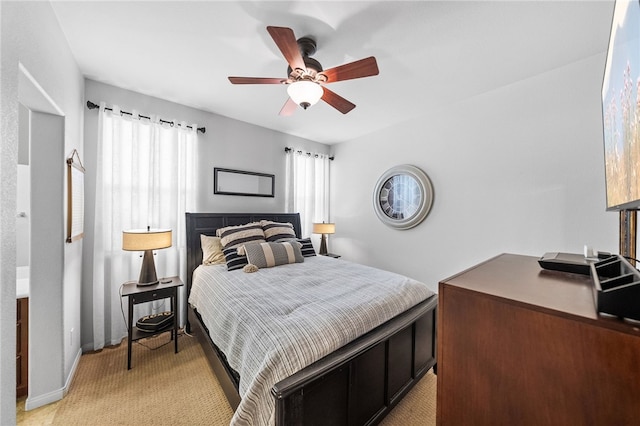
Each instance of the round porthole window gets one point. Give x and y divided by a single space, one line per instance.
403 197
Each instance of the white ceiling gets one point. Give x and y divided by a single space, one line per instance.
430 53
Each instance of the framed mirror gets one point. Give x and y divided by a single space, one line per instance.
239 182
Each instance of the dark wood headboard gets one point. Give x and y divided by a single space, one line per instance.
207 223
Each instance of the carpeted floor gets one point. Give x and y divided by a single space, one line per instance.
164 388
418 407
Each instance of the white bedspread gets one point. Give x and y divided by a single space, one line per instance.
274 322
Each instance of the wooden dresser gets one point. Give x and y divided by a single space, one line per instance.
521 345
22 347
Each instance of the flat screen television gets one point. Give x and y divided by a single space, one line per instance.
621 108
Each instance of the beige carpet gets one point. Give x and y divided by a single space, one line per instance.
418 407
164 388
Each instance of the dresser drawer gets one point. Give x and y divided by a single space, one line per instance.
160 293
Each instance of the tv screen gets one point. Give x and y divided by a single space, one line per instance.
621 108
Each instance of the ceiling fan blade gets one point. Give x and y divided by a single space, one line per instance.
363 68
288 108
337 101
286 42
256 80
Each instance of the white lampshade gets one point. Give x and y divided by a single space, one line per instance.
324 228
305 93
142 239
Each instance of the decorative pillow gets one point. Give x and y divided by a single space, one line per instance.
235 236
211 250
249 268
233 259
274 231
306 245
267 255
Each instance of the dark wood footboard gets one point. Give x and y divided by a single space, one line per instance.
361 382
356 385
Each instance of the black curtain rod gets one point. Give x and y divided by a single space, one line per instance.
91 105
287 149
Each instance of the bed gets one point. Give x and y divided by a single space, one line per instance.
357 383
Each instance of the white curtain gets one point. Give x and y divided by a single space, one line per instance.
145 177
307 187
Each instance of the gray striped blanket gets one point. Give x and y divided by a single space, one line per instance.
274 322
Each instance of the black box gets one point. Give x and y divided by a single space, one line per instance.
155 322
616 287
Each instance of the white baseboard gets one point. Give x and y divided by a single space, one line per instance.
34 402
40 400
72 372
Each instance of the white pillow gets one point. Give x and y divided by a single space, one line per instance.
211 250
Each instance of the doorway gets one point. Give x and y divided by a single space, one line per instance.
42 249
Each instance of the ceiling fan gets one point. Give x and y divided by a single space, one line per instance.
306 79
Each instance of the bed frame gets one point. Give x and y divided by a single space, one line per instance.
356 385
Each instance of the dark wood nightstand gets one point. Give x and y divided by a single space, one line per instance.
150 293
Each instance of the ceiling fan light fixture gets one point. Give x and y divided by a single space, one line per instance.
305 93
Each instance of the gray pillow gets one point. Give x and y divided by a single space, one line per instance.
267 255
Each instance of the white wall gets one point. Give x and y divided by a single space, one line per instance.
226 143
23 234
518 170
23 190
47 343
8 157
31 37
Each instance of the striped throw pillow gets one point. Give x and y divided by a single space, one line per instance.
306 245
233 259
267 255
235 236
274 231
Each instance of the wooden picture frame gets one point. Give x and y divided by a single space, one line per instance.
75 198
239 182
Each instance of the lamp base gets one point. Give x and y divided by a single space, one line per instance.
141 284
323 245
148 271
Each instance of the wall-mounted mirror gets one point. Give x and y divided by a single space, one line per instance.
238 182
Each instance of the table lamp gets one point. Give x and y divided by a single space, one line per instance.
146 240
324 229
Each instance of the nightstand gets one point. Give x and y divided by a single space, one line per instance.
335 256
148 294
